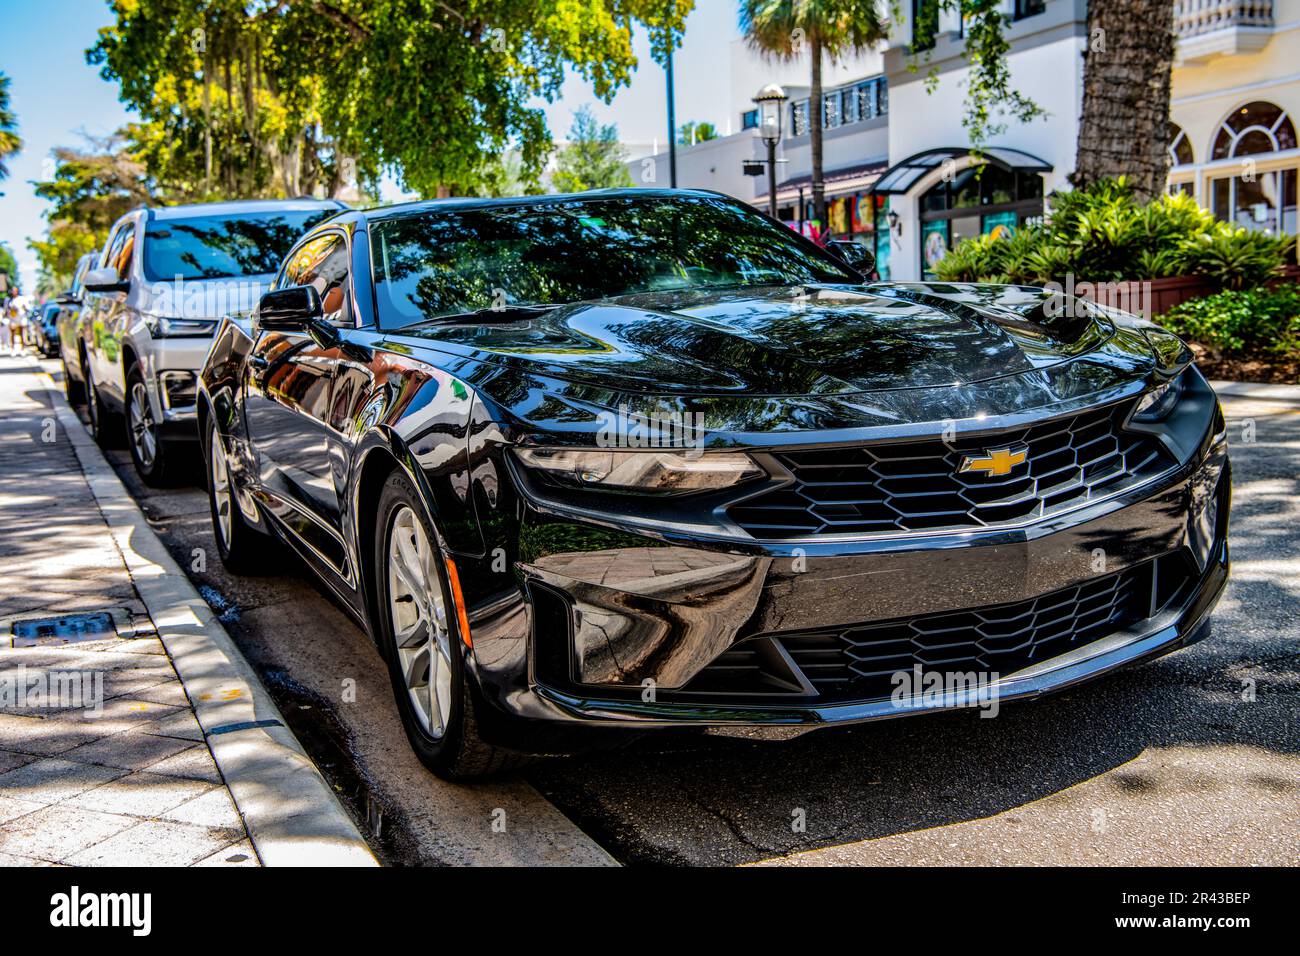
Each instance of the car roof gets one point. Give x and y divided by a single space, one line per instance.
190 210
478 202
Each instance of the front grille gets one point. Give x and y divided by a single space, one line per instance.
858 662
887 488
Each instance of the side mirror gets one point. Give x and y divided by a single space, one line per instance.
853 254
105 280
294 309
69 298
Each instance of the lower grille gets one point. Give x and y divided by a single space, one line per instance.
858 662
892 487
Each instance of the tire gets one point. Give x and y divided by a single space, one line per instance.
438 714
242 548
104 427
153 456
74 391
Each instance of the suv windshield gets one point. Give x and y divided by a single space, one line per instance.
452 261
219 247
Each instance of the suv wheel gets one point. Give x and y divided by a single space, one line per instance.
419 630
153 457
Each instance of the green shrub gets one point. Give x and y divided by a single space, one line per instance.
1234 257
1101 234
1259 320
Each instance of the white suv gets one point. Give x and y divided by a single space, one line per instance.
164 279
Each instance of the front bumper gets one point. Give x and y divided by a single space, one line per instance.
617 629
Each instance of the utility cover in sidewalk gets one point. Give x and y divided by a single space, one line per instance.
65 629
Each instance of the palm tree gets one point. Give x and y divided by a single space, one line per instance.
832 28
1127 67
9 141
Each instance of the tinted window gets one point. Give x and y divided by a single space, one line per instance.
113 253
448 262
323 264
216 247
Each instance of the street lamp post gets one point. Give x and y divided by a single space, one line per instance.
771 104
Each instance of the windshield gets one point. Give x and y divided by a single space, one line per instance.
219 247
439 263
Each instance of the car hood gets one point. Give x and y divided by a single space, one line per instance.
203 298
818 340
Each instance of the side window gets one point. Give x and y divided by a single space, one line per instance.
114 247
323 264
122 261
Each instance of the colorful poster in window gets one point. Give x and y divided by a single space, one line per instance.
863 214
934 242
1001 225
838 214
882 236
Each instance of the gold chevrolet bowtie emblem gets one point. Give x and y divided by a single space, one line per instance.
995 461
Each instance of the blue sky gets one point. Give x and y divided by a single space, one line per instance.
57 96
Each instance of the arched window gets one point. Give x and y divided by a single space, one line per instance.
1258 127
1180 147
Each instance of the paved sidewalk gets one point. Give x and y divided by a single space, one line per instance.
102 761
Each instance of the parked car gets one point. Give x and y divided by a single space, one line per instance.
70 331
647 458
44 329
163 280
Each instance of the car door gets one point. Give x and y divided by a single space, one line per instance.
289 390
112 316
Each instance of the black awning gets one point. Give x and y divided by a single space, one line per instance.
902 176
832 176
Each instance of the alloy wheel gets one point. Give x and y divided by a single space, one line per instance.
418 610
144 438
222 500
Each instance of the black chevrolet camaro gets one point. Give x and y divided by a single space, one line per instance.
647 458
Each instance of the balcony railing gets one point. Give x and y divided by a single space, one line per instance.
1193 18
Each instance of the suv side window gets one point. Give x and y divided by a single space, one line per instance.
119 251
114 244
323 264
122 262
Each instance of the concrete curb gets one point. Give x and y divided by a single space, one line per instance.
290 811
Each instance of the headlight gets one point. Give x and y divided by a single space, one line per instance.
661 472
164 328
1156 404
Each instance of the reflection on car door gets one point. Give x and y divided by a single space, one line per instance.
110 318
290 386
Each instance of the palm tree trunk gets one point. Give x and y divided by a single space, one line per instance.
1124 129
816 111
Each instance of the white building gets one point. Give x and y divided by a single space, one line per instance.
896 154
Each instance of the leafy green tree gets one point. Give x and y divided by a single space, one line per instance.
593 158
9 271
504 175
10 143
255 97
787 29
692 132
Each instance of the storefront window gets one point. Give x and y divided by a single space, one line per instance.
978 201
881 205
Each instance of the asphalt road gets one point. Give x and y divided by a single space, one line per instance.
1175 762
